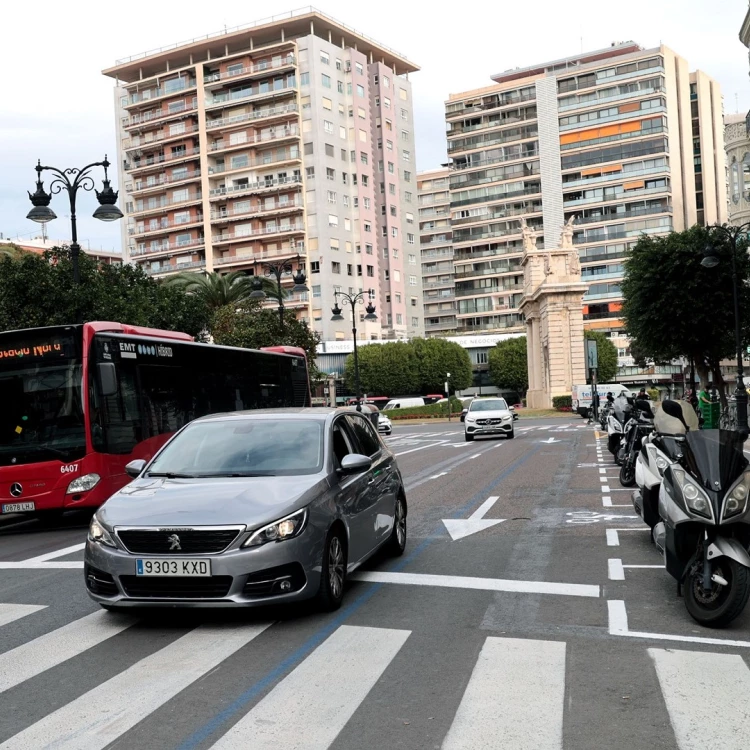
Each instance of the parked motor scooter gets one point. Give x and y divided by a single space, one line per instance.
617 420
704 533
665 445
639 426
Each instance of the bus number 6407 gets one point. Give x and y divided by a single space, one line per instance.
69 469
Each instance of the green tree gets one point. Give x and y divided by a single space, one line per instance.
38 290
218 290
673 307
606 356
248 324
435 358
389 369
508 365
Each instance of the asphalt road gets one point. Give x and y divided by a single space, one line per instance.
537 617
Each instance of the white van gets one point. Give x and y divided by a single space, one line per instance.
403 403
581 395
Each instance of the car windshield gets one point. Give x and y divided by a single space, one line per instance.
40 389
488 404
243 447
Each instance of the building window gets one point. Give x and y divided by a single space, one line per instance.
360 70
407 197
327 103
412 280
363 135
404 135
394 231
328 127
371 271
406 155
325 58
330 151
389 145
368 226
335 266
361 113
333 220
412 259
340 86
391 168
407 176
399 319
410 238
332 196
405 114
359 270
402 94
414 322
413 301
409 218
326 81
386 102
397 275
349 269
360 91
315 266
367 203
338 64
388 125
316 290
393 210
310 173
345 200
330 174
363 157
386 82
342 135
335 244
386 274
391 188
368 248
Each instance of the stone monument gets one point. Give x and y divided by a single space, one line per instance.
552 305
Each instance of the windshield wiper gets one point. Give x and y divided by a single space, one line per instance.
234 474
170 475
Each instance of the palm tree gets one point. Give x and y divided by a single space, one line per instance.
217 290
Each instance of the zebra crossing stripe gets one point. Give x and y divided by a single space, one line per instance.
49 650
97 718
686 678
514 699
11 612
312 705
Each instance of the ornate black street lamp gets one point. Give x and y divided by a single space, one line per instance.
278 270
72 180
353 300
711 259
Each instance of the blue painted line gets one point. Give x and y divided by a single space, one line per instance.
212 725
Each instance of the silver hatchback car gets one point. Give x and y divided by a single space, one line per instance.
246 509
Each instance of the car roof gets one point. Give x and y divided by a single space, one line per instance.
319 413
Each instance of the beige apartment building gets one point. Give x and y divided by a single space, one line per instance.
625 140
291 139
435 242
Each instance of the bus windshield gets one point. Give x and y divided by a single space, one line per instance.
40 389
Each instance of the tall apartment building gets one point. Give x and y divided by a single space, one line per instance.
737 145
626 140
435 242
286 138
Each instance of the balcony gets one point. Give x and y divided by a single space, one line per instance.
159 137
163 225
156 160
254 187
513 321
277 135
149 95
263 254
260 114
614 176
166 247
436 300
526 133
249 95
589 124
503 213
249 70
497 160
481 291
459 274
428 255
438 284
294 155
489 124
458 110
608 99
573 85
159 204
160 114
617 197
142 185
218 239
168 269
622 215
616 234
262 208
535 189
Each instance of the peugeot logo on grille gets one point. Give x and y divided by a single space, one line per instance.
174 541
16 489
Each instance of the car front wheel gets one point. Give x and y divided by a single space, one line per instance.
333 573
397 541
468 438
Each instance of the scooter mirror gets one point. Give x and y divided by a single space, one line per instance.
673 409
644 406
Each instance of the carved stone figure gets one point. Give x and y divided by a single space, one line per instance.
566 238
575 266
529 236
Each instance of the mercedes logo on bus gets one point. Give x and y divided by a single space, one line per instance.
16 489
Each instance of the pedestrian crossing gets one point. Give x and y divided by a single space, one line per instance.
513 694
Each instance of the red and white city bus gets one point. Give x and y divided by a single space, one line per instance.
81 401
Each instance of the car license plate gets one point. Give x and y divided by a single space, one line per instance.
173 568
18 507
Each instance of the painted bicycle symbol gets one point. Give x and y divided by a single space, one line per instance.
587 517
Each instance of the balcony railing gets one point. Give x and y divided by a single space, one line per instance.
251 116
479 291
261 232
614 176
496 160
618 197
458 109
251 93
156 93
254 186
250 69
261 208
162 225
165 247
277 135
624 215
461 274
156 204
514 322
175 269
156 159
158 114
503 213
263 254
152 139
162 179
252 163
488 124
607 99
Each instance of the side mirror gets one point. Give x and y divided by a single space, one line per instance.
354 463
107 376
673 409
464 412
134 468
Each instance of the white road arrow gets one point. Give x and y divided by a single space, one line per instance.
551 440
458 528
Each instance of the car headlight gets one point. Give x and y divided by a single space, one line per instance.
285 528
470 419
695 498
735 501
97 533
83 484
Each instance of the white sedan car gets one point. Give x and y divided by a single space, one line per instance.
488 416
384 424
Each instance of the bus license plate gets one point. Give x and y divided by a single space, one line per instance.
173 568
18 507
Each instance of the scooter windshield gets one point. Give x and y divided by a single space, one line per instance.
715 457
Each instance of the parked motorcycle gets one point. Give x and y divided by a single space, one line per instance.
617 420
704 533
665 445
640 426
606 410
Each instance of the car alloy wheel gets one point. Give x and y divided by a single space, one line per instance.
397 540
336 567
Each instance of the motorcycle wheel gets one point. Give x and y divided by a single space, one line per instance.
613 444
627 475
718 607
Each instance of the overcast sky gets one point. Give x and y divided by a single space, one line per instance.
57 106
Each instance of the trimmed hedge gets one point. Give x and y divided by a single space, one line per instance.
431 410
562 403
